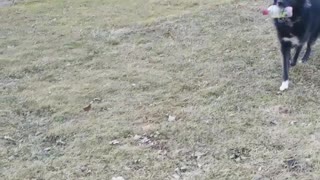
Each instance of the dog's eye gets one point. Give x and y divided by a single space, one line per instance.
281 4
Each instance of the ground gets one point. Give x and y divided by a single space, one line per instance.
184 89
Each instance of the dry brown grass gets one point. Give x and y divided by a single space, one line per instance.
214 66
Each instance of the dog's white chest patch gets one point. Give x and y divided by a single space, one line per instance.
294 40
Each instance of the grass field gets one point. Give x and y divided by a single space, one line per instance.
179 89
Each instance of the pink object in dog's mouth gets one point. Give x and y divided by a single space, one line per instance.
265 12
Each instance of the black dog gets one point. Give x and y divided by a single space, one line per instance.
303 27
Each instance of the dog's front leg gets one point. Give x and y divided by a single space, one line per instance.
285 50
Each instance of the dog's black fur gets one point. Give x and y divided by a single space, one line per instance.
303 25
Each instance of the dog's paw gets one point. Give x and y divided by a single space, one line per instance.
304 61
292 64
284 85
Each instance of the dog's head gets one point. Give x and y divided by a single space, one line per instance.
296 4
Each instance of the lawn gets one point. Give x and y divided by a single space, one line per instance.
152 90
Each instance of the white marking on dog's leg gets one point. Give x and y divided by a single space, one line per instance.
294 40
299 61
284 85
